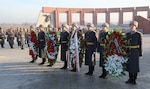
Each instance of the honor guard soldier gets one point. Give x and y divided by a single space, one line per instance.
52 45
75 63
91 45
2 37
41 44
17 36
64 39
27 37
33 45
21 36
10 37
101 41
134 38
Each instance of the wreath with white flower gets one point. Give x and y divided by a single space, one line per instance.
115 53
52 47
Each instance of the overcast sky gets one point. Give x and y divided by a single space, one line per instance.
20 11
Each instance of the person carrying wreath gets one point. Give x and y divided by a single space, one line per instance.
101 41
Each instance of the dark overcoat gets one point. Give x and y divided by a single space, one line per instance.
41 43
64 40
101 41
134 39
91 45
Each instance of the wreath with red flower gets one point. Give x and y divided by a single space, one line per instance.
115 53
52 47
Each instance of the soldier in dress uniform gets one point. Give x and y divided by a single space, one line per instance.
17 36
81 45
10 37
41 44
21 36
91 45
33 45
64 39
101 40
2 37
134 38
27 37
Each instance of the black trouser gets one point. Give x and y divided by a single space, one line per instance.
132 76
2 45
65 64
91 69
104 73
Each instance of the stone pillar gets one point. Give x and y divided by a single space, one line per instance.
69 17
134 14
148 16
56 18
121 17
81 18
94 18
108 17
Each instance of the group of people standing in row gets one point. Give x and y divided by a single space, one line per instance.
22 37
76 45
89 42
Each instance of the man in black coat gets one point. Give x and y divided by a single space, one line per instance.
101 41
91 45
41 44
64 40
134 52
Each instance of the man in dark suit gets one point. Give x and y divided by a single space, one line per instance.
134 38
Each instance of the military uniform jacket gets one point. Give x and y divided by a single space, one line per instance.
41 44
10 37
2 37
134 51
64 40
100 46
91 45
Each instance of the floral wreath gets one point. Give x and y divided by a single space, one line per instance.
52 46
81 48
115 53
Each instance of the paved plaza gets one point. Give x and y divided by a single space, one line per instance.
17 73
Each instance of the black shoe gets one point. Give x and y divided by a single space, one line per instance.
31 61
89 73
63 67
73 70
49 65
103 76
41 63
133 82
129 81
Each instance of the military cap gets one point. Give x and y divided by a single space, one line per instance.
31 26
50 25
74 24
64 25
90 25
105 25
40 26
135 23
